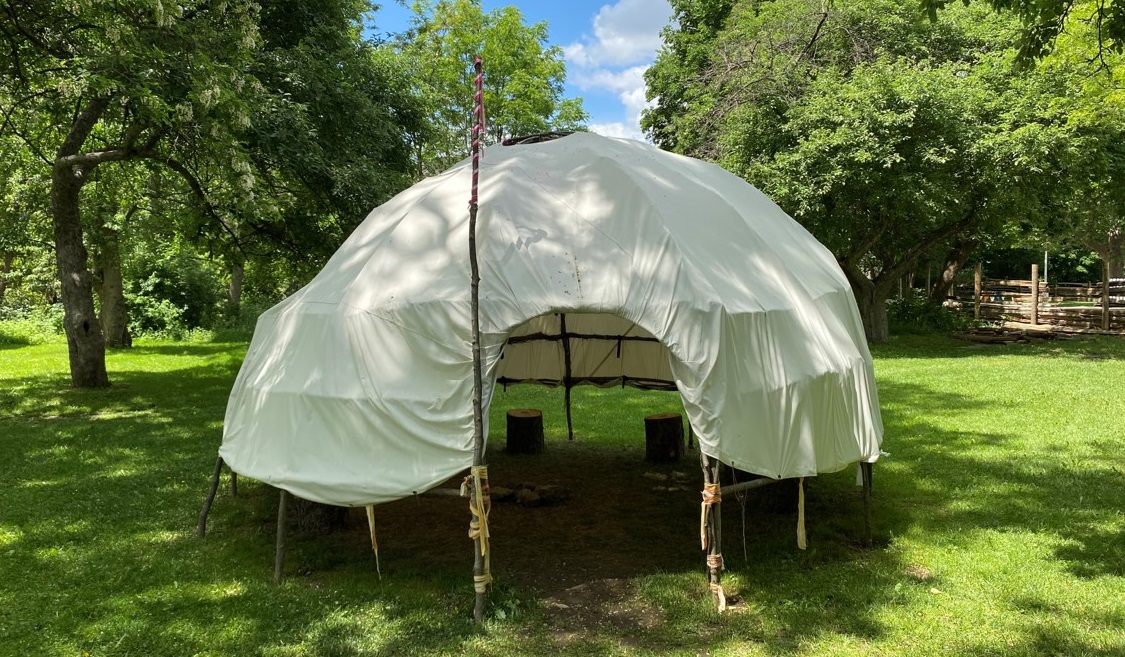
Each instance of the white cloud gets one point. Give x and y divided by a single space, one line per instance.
625 33
617 129
626 37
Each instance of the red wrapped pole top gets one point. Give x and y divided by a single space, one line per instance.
478 123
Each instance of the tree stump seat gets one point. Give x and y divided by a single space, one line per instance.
525 431
664 437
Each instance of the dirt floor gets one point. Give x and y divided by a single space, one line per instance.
614 523
622 518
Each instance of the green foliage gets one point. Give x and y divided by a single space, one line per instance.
914 313
180 292
523 79
890 137
1045 20
27 326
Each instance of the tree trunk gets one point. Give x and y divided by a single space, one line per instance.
83 332
234 289
114 317
871 298
1112 252
5 269
954 261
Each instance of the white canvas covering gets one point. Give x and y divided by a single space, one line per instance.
358 388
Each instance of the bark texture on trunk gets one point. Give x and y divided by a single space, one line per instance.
871 299
954 261
114 317
1112 252
234 288
83 332
5 269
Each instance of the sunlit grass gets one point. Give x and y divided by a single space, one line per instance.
1000 523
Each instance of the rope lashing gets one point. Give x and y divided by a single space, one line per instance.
802 541
475 487
712 494
374 543
715 563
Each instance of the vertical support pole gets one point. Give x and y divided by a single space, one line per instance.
711 528
279 557
978 274
865 468
1105 295
201 527
478 527
929 271
233 483
568 373
1034 294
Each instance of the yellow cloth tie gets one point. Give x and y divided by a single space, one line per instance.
475 487
802 542
374 544
712 494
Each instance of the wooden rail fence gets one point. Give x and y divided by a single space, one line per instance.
1073 305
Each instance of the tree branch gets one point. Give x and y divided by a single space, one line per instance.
200 194
83 125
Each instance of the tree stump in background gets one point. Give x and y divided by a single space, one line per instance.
319 519
525 431
664 437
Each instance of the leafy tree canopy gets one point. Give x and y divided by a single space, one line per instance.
523 81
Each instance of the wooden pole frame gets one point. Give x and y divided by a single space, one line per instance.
201 526
279 556
865 470
480 569
568 375
713 529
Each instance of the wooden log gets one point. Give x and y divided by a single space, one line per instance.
525 431
201 526
664 437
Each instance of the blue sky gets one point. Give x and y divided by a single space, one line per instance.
608 45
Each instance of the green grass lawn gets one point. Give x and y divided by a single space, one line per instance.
1000 519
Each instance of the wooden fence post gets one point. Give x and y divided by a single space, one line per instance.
1105 296
1034 295
977 274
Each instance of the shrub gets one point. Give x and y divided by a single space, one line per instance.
37 325
914 313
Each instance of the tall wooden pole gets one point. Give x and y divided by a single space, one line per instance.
1034 294
478 489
